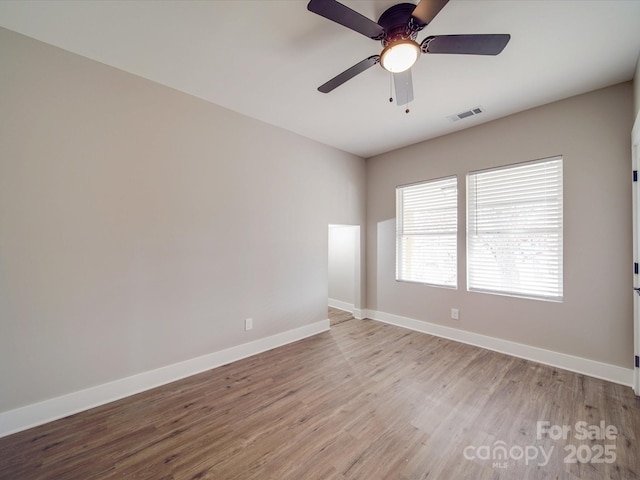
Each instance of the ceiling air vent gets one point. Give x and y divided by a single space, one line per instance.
469 113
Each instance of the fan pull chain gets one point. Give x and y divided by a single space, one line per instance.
407 105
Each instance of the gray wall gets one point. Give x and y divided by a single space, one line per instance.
140 226
592 132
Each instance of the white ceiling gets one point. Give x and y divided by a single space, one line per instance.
265 59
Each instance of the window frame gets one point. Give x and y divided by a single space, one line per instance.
451 182
558 198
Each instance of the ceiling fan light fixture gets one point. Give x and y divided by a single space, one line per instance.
399 56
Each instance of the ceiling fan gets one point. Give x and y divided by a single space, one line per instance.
397 29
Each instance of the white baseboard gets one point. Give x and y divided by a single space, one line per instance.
22 418
592 368
339 304
357 313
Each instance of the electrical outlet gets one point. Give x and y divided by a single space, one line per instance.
455 315
248 324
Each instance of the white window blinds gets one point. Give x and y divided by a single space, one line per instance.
514 230
426 232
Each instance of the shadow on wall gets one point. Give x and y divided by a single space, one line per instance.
386 256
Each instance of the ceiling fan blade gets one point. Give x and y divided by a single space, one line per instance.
349 74
404 87
426 10
466 44
343 15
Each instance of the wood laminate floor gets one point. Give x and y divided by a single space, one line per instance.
337 316
363 401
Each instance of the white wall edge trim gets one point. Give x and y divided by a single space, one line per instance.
635 145
339 304
23 418
592 368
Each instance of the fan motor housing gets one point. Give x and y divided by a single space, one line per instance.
397 24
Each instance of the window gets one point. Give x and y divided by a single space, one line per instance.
426 232
514 230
